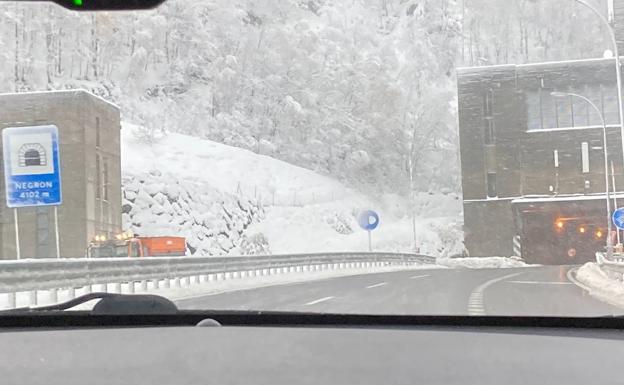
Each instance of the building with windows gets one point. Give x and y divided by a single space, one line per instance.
533 173
89 135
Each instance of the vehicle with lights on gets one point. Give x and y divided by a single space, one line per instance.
127 245
560 233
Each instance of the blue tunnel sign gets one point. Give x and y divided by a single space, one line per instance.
32 171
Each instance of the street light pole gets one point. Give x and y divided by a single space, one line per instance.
606 164
618 74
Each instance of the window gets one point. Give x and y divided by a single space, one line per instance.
610 107
564 111
105 177
544 111
489 131
98 180
487 103
491 185
97 132
585 157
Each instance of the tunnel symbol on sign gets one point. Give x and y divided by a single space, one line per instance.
32 154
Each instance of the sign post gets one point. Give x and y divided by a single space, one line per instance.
17 242
368 220
32 172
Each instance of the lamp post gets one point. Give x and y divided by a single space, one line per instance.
618 75
606 163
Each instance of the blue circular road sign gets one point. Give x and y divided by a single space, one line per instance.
368 220
618 218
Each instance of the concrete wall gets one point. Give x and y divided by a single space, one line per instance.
489 228
74 113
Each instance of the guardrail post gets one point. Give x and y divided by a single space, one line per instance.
32 298
131 287
53 295
176 282
117 287
71 293
143 285
11 300
156 283
166 283
186 281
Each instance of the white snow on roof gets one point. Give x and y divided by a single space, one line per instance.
540 64
561 129
560 62
566 198
549 198
75 90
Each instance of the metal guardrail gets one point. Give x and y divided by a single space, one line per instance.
49 274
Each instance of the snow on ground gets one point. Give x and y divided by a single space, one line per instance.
229 169
302 211
593 279
333 227
483 263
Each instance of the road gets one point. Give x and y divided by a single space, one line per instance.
543 290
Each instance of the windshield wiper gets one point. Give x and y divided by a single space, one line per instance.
109 304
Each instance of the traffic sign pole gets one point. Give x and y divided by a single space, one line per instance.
17 241
368 220
56 232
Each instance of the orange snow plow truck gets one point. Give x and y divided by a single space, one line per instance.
125 245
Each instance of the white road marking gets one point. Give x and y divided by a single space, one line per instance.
419 276
542 283
377 285
318 301
475 301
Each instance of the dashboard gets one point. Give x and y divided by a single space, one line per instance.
311 355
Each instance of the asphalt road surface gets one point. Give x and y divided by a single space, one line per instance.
543 290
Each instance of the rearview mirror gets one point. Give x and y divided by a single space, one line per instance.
108 5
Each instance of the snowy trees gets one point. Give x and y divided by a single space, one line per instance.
362 90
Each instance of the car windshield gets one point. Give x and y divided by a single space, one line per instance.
427 157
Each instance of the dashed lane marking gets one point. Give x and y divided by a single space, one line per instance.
318 301
419 276
475 301
377 285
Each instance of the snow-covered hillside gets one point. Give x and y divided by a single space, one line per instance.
227 199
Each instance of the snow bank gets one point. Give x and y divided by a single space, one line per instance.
593 279
483 263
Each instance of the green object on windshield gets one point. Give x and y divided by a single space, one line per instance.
77 3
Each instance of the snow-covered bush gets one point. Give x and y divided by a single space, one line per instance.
255 244
339 223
